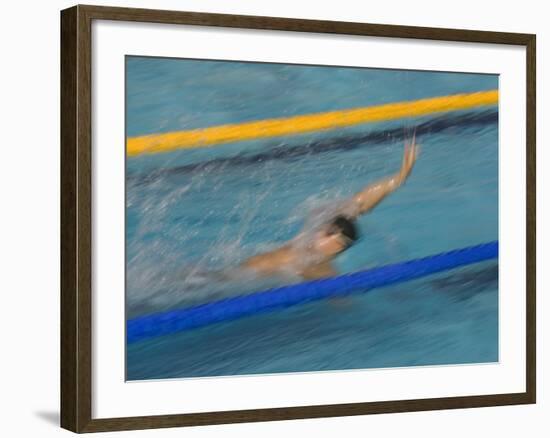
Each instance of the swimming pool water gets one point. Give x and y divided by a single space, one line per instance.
194 211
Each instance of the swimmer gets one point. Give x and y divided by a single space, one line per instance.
310 253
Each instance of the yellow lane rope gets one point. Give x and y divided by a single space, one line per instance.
196 138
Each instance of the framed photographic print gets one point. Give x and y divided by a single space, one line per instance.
268 218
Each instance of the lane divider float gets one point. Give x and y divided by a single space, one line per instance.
174 321
210 136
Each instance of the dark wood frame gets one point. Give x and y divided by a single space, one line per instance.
76 219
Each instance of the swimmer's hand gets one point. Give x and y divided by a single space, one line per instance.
371 195
409 158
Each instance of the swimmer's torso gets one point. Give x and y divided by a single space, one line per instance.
293 258
298 256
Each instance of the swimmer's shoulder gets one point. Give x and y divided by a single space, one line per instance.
271 261
319 270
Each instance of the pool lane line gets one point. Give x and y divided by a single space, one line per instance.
340 142
174 321
195 138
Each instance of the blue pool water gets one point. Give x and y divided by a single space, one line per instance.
195 211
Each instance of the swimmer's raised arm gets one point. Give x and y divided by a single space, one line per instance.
371 195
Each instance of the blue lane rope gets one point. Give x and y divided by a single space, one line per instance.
173 321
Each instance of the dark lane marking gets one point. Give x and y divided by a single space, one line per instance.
339 143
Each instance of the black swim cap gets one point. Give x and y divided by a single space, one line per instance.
344 226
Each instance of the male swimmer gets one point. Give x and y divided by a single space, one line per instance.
310 253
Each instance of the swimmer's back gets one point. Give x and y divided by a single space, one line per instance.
270 262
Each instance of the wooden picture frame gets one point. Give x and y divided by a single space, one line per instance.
76 217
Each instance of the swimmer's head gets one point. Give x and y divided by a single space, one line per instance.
336 236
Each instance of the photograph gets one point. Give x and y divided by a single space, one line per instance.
289 218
